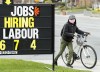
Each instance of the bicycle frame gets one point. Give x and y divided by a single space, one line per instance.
81 46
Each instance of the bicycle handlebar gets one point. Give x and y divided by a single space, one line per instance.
82 36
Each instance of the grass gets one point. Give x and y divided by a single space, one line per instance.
13 65
95 12
71 10
75 10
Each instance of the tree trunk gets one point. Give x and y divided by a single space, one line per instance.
85 4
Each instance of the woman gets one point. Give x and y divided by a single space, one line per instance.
67 35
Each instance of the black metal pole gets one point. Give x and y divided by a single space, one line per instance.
53 67
53 34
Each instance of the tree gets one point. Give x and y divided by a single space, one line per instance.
48 1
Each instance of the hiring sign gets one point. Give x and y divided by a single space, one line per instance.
26 28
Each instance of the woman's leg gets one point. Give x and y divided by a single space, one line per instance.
70 55
62 48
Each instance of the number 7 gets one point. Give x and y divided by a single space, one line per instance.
16 46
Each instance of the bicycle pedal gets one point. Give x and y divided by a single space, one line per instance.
77 58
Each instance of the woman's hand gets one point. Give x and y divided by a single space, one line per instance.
87 33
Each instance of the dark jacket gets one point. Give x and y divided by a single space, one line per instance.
68 31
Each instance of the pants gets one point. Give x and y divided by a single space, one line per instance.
62 48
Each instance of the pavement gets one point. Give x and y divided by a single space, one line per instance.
77 65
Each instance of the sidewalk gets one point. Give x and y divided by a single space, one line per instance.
85 13
77 65
89 13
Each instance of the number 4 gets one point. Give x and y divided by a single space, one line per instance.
33 44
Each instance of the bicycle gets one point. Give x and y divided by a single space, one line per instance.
85 52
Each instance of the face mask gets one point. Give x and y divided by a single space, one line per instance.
72 21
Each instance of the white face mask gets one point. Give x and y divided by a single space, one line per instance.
72 21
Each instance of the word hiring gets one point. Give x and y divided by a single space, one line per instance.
23 11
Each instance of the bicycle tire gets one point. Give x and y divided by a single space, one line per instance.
94 55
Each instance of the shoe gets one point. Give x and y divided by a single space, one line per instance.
69 65
75 56
55 63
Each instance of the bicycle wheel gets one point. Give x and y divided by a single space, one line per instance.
64 57
88 56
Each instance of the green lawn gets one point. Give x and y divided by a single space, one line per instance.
95 12
75 10
13 65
